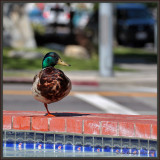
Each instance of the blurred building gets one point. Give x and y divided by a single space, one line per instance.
17 30
74 23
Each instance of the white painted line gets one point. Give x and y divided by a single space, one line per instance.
105 104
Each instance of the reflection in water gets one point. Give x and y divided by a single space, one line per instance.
11 152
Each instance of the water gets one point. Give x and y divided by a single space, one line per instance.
11 152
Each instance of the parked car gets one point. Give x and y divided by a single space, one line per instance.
134 24
35 16
56 14
81 18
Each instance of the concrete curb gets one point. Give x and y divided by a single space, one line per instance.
93 81
134 126
29 81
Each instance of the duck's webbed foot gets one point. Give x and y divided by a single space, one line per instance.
49 114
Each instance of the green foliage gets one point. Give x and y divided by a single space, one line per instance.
128 50
38 28
20 63
76 64
96 6
32 64
135 54
151 4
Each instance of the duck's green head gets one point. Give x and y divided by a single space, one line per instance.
52 59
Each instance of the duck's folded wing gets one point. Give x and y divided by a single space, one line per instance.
53 84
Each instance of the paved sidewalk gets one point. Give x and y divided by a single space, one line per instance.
145 75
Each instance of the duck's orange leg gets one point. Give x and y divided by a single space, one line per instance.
49 114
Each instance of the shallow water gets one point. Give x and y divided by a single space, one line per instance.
11 152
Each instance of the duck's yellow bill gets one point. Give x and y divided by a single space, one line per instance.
62 63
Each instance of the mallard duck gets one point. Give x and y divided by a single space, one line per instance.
51 84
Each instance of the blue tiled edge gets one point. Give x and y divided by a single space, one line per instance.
76 142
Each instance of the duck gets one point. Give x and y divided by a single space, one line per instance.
51 84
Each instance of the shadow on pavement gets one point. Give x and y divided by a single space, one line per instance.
67 114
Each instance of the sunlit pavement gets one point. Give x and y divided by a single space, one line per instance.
124 93
84 99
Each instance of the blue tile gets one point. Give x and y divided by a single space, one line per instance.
88 140
125 150
79 148
125 146
39 137
125 142
49 137
69 139
49 145
88 144
117 142
19 145
78 140
30 136
152 145
20 135
134 151
97 149
59 138
116 145
20 141
39 145
134 143
10 135
144 144
59 146
107 149
143 152
68 147
152 148
135 146
98 141
144 147
88 148
116 150
9 143
152 153
107 144
30 145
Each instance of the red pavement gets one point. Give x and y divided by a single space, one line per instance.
138 126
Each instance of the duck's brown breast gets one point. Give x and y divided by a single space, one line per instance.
53 84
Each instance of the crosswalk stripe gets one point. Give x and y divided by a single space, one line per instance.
105 104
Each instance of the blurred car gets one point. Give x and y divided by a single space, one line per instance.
56 14
135 24
81 18
35 16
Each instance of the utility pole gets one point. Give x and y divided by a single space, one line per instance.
105 39
155 36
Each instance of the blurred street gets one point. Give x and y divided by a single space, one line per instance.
125 93
91 68
111 47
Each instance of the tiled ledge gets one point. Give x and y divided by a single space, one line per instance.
63 142
133 126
